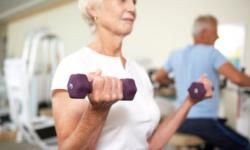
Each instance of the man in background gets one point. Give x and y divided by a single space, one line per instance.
187 65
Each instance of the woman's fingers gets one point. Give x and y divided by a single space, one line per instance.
207 84
92 75
105 90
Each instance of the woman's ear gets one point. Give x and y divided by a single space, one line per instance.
92 11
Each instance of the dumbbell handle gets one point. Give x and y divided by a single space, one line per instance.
79 87
197 91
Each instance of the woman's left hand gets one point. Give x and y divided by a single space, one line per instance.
208 88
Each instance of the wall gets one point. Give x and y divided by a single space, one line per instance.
64 21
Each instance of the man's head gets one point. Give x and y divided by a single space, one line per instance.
205 30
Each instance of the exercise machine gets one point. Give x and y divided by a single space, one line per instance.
28 82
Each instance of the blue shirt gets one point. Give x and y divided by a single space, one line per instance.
187 65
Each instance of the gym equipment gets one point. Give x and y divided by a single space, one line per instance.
197 91
243 110
28 82
79 87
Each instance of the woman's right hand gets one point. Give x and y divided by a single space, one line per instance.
106 90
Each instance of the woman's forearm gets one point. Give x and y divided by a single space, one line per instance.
87 132
169 126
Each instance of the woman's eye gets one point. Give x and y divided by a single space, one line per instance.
135 1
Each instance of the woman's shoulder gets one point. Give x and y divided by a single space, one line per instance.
74 55
69 65
73 62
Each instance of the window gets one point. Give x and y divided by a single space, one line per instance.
231 42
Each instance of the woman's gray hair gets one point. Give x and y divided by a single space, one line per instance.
84 5
202 23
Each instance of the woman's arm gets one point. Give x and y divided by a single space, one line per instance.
79 122
169 126
172 122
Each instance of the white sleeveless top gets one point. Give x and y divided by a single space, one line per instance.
129 123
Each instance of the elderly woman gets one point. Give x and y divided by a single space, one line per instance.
102 120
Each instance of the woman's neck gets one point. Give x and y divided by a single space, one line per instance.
108 44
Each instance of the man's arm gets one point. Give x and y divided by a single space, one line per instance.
161 76
237 77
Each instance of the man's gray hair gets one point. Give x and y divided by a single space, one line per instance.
202 23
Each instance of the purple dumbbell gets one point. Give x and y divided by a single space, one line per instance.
79 87
197 91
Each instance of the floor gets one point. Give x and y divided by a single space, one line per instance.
11 145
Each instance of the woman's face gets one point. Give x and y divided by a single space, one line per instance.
117 16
